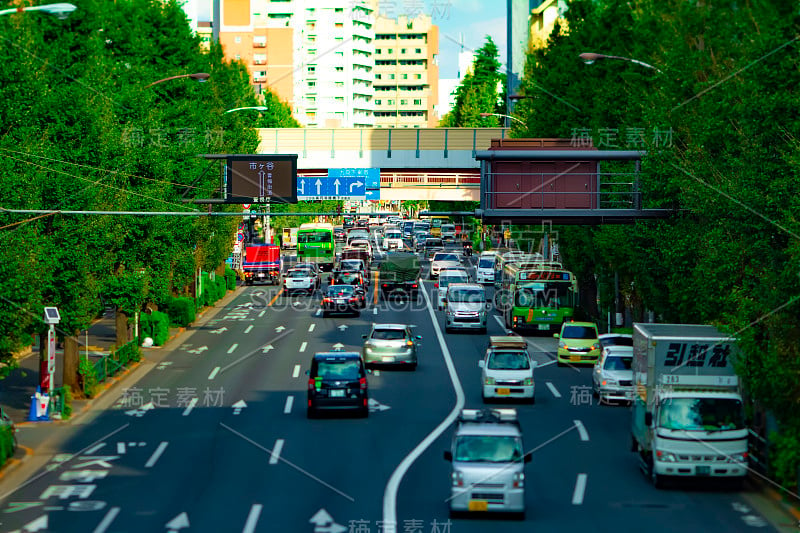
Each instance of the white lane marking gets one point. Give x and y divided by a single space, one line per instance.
262 313
213 373
276 452
189 407
311 328
303 347
582 430
252 518
580 488
120 448
374 310
500 321
288 407
318 313
296 371
156 454
233 347
93 449
248 328
107 519
540 365
392 486
553 389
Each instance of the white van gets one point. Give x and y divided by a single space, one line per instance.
485 270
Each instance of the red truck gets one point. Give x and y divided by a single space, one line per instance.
262 262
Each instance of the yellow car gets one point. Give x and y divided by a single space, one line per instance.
577 343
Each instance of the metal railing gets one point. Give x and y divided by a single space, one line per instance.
108 365
397 179
758 452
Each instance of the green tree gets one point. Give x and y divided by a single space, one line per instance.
478 92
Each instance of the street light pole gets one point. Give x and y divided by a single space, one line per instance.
507 117
61 10
590 57
199 76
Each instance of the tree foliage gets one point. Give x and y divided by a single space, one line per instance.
81 130
478 92
720 124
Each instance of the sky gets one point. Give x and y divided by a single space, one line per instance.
470 20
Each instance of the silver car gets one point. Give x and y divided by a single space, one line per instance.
466 307
488 463
612 377
446 277
390 344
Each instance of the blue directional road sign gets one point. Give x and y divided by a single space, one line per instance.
327 188
373 194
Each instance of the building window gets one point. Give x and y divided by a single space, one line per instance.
417 76
405 76
390 51
312 100
237 39
312 84
338 10
338 84
259 41
339 25
391 76
377 102
312 69
259 59
338 69
311 24
339 99
377 76
402 50
403 102
417 50
339 39
389 102
237 57
312 38
417 102
312 51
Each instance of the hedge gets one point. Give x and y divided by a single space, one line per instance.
230 278
181 310
6 443
155 326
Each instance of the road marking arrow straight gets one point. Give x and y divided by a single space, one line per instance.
238 406
40 524
267 348
343 327
198 350
338 346
218 331
179 522
323 523
279 329
375 405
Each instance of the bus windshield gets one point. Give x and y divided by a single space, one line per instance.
306 237
543 295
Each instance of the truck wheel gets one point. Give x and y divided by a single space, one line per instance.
657 479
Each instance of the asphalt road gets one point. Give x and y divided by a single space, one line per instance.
215 438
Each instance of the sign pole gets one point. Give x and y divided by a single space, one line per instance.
51 357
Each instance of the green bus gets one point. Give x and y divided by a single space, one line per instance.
537 296
315 244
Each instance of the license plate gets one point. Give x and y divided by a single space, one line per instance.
337 393
260 275
574 358
544 327
503 392
387 359
703 470
478 505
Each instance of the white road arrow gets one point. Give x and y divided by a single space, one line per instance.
336 184
267 348
279 329
323 523
375 405
338 346
296 304
238 406
179 522
302 187
165 364
318 183
342 327
147 407
40 524
218 331
355 184
199 350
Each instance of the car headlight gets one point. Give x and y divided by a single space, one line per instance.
528 382
609 383
562 345
737 458
489 381
665 457
458 479
593 348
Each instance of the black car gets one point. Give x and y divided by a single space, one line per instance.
339 234
348 277
343 299
337 380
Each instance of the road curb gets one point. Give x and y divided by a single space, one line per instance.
792 509
14 464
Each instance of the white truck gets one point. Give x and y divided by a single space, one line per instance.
688 416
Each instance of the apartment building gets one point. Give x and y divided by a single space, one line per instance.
406 72
317 55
